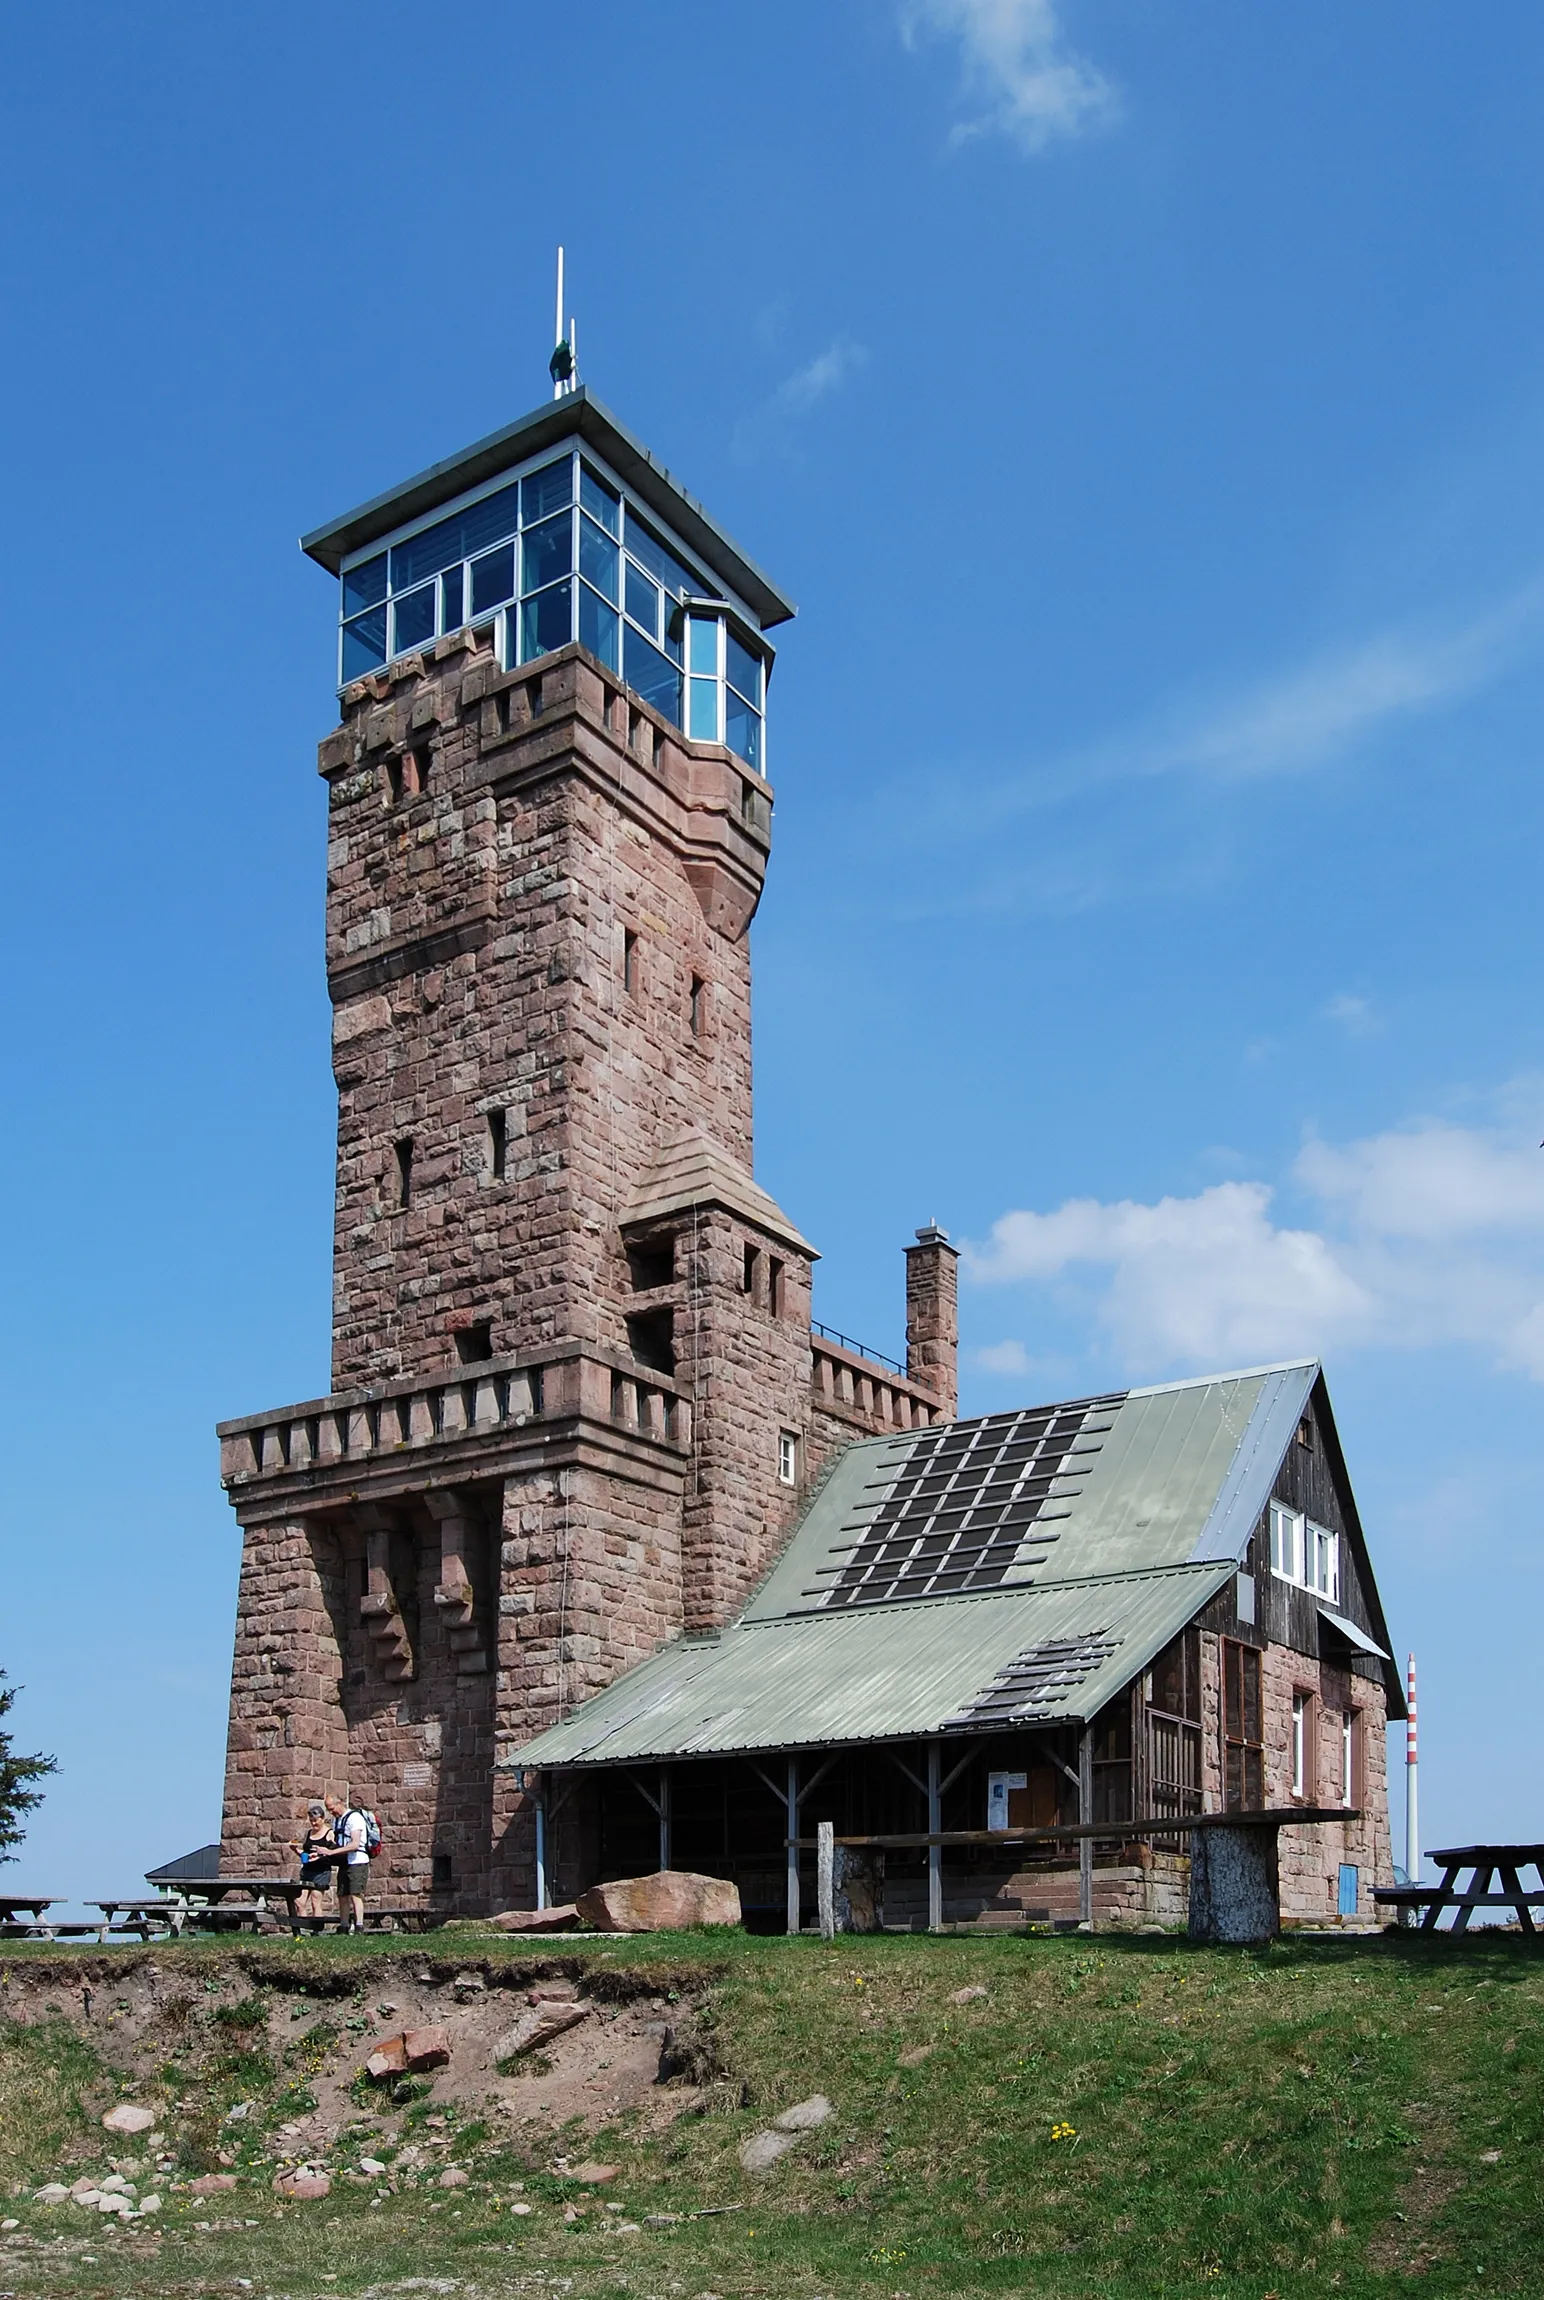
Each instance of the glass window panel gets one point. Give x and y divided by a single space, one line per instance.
651 674
598 557
599 626
453 594
742 729
743 668
547 552
599 500
674 641
458 537
660 560
364 643
412 619
493 579
703 724
704 646
364 586
642 600
546 489
546 622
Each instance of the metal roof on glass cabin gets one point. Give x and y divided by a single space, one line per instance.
578 415
1015 1570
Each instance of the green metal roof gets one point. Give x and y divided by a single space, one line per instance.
1141 1519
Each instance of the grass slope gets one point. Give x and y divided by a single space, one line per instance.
1130 2119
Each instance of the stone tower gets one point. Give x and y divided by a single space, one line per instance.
576 1397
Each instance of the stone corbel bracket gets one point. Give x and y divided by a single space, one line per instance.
454 1595
378 1608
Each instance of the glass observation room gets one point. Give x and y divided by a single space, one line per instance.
564 544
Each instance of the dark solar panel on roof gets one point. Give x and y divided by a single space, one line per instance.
969 1498
1033 1683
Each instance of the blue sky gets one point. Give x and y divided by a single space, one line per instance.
1145 406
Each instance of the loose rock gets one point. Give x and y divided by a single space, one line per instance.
213 2184
303 2185
52 2192
915 2057
762 2150
966 1996
454 2177
664 1902
538 2027
558 1920
804 2116
592 2174
129 2117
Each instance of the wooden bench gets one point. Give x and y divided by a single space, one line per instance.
1485 1863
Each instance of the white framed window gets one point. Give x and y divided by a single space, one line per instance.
1302 1743
553 552
1348 1757
1286 1542
1304 1552
788 1457
1323 1561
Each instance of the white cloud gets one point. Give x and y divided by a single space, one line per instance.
1355 1014
798 393
1017 65
1003 1358
1428 1236
1311 716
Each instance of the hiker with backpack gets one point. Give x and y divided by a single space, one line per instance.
357 1835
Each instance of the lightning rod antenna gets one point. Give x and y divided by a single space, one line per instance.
561 365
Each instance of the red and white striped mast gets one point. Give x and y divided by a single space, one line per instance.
1412 1792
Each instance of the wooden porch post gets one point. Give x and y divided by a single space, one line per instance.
1086 1814
935 1853
541 1841
794 1911
664 1816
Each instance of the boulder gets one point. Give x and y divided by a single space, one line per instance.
555 1992
303 2183
52 2192
592 2174
426 2048
415 2050
128 2116
536 2028
454 2177
387 2057
212 2184
559 1920
804 2116
668 1901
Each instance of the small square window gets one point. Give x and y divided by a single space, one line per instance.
498 1144
474 1344
787 1457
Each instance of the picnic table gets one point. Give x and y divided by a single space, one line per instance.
201 1901
12 1904
136 1914
1485 1863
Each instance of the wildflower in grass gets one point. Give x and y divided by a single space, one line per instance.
1062 2130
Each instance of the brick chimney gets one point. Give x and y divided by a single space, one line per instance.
932 1317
